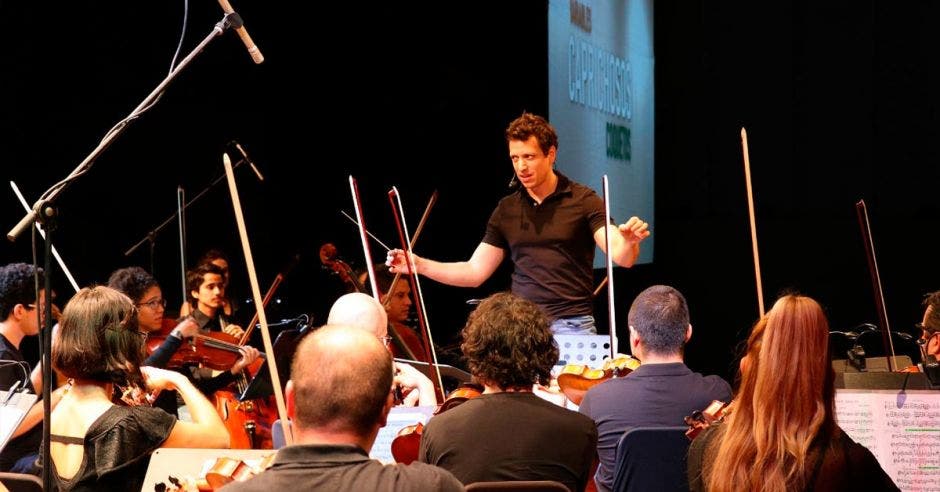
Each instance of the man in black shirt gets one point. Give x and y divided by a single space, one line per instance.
548 227
509 433
18 308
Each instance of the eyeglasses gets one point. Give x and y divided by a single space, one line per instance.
154 304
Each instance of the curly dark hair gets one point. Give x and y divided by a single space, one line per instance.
132 281
98 338
507 342
17 286
529 125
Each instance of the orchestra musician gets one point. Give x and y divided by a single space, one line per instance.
548 228
782 434
137 284
18 309
662 390
398 309
219 259
930 325
366 313
338 398
508 433
96 444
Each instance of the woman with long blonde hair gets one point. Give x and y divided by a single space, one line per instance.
782 434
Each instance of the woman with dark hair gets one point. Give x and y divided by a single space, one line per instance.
144 291
96 444
781 434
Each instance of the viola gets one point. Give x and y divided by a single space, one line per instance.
406 443
576 379
700 420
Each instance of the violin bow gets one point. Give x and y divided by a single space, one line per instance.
750 210
256 294
360 222
180 208
42 233
865 225
363 236
267 297
411 245
395 199
611 310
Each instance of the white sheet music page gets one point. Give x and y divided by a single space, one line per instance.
12 413
398 418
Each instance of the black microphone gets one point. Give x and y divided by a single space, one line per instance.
247 159
239 27
513 182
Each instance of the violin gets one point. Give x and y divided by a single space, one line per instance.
215 350
700 420
576 379
406 443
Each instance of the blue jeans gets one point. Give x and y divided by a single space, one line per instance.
575 325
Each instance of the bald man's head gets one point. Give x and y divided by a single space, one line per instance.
361 311
342 378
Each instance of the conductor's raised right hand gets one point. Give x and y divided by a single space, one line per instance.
397 262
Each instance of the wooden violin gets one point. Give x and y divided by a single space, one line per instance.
215 350
406 443
700 420
576 379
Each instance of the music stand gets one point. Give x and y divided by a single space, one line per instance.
459 375
284 347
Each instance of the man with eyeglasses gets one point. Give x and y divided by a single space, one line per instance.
21 318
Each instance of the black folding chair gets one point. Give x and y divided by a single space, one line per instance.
652 458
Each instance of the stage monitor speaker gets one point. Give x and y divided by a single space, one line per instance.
872 364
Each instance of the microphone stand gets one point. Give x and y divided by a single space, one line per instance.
44 211
151 236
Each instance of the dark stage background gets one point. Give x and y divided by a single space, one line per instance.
839 101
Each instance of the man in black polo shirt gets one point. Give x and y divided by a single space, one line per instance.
548 227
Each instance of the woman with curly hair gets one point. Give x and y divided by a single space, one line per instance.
781 434
509 433
96 444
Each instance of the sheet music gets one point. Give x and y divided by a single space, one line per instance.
902 430
13 413
399 417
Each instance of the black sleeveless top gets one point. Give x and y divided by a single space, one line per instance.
117 449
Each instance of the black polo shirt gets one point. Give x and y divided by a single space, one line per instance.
551 245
